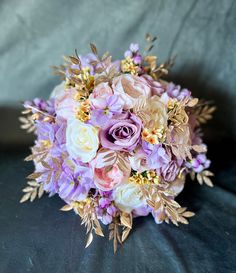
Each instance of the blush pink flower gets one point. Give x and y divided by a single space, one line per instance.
99 96
64 101
130 88
106 178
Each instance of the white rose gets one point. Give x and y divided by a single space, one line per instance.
130 88
138 161
65 103
81 140
128 196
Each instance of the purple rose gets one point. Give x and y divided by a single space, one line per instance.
170 171
121 133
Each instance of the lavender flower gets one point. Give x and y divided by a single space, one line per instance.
74 185
41 105
52 132
199 163
111 106
175 91
133 53
106 210
157 155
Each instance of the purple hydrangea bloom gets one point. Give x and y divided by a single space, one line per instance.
54 132
199 163
74 185
105 210
157 155
110 107
175 91
105 214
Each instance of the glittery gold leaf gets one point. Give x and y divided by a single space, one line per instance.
204 113
33 190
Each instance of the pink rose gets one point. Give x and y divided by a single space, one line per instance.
64 101
106 178
99 95
130 88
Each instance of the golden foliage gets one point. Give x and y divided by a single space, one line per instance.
158 198
204 113
86 210
32 191
110 158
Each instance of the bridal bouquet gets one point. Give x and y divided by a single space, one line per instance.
115 141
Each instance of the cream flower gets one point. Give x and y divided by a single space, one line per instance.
81 140
157 113
128 197
130 88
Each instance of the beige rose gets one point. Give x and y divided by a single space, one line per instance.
130 88
153 114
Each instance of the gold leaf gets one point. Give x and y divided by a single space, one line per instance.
126 219
33 183
74 60
188 214
34 175
183 220
56 162
93 48
99 232
192 102
192 175
199 179
125 234
45 164
25 197
111 235
48 177
199 148
66 208
115 244
29 158
89 240
208 181
27 189
40 191
57 175
208 173
182 209
33 195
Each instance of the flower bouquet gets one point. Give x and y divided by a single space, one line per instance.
115 141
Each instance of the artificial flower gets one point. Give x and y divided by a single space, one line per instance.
130 88
121 133
81 140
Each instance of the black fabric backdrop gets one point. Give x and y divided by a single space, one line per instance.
37 237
